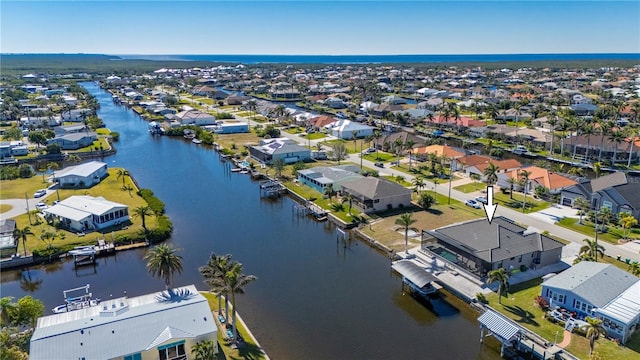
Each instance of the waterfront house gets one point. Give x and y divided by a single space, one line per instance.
74 141
386 142
553 182
476 164
83 176
321 177
478 246
598 290
229 127
70 129
371 194
83 212
195 117
280 148
616 191
161 325
422 153
8 243
75 115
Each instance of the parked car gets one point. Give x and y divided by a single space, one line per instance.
379 164
41 205
40 193
437 133
474 204
482 200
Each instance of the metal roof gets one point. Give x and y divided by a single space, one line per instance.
498 325
625 307
412 272
83 170
123 326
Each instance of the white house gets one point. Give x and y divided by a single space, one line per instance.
280 148
162 325
345 129
82 213
195 117
83 175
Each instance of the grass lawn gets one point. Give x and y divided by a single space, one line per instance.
471 187
16 189
111 189
588 228
351 146
318 198
516 203
5 208
101 141
400 181
519 306
315 136
416 171
103 131
241 139
249 351
380 156
384 229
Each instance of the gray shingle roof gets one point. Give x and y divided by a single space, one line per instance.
597 283
374 188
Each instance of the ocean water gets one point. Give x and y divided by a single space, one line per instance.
365 59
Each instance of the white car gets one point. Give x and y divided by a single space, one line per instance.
474 204
41 205
40 193
482 200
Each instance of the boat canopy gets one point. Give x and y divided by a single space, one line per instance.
412 272
499 326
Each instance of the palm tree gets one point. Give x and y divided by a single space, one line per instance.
329 192
597 166
408 145
562 127
22 234
354 137
552 125
214 272
406 220
632 132
163 262
524 175
591 249
512 182
582 205
588 130
203 350
603 131
143 211
252 107
593 330
418 182
634 268
122 173
627 221
502 277
236 282
491 173
617 137
52 166
278 166
7 307
348 198
377 134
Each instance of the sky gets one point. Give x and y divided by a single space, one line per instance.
319 27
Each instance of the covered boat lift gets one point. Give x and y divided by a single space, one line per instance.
416 277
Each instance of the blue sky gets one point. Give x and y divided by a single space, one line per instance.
314 27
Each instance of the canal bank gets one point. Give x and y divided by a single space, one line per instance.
314 298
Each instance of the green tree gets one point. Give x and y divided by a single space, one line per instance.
278 166
426 200
214 272
512 182
491 173
143 211
406 220
617 137
634 268
593 330
51 167
25 171
348 198
236 282
21 234
329 192
524 176
163 262
582 205
502 277
38 138
7 310
122 173
203 350
591 249
29 310
627 221
13 133
418 183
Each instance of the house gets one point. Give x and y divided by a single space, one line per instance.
616 191
598 290
74 141
70 129
75 115
8 243
195 117
83 212
584 109
422 153
280 148
479 246
321 177
538 176
371 194
335 103
347 129
320 122
229 127
84 175
476 164
161 325
386 142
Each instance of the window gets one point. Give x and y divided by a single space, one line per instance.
561 298
173 351
520 259
606 204
137 356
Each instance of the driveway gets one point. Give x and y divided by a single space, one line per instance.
19 206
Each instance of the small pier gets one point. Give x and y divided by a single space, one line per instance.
271 188
309 208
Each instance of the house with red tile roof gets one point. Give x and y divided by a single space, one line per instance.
422 153
475 164
551 181
319 122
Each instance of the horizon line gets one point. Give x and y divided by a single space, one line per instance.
282 54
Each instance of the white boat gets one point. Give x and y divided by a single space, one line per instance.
76 302
196 141
83 251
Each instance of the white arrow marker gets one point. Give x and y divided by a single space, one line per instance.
489 207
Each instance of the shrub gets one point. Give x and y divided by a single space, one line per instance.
481 298
541 302
156 205
115 136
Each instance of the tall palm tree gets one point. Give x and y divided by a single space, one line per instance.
406 220
552 125
418 182
22 234
597 166
408 145
524 175
502 277
214 272
142 211
236 282
582 205
562 127
632 132
593 330
617 136
122 173
591 249
163 262
377 134
512 182
588 130
491 173
603 130
329 192
354 137
348 198
52 166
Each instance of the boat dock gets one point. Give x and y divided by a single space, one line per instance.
309 208
86 255
271 188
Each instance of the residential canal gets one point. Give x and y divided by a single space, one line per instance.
314 298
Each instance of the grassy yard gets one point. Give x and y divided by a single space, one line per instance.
351 146
5 208
110 188
417 171
315 136
516 203
519 306
241 139
318 198
399 180
17 188
380 156
471 187
588 228
249 351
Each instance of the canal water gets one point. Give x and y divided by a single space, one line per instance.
315 297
